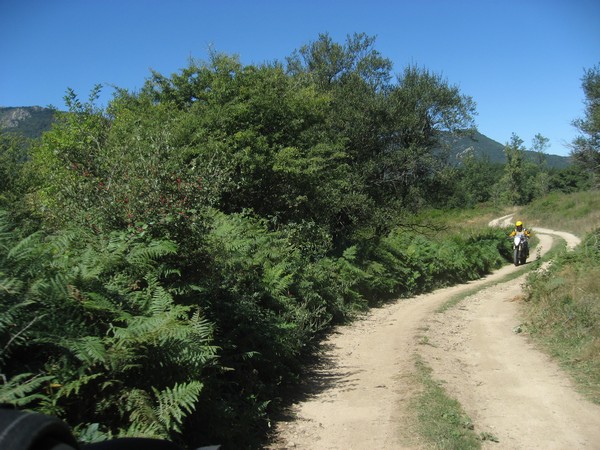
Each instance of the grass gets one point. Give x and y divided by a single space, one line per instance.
441 419
578 213
562 308
562 312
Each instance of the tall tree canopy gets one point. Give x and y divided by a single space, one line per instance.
586 147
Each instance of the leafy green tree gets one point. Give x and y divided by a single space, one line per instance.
261 141
475 177
65 164
586 147
13 153
328 63
540 179
512 185
569 179
354 77
421 107
539 145
390 129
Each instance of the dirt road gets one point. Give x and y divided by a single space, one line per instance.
358 397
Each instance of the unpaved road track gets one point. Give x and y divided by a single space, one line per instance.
358 397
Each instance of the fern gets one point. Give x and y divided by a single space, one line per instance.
277 280
9 285
112 330
89 349
74 386
23 389
24 248
142 415
176 403
145 255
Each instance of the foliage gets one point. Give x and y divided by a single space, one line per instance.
14 152
99 337
472 181
512 184
409 263
227 210
563 311
586 147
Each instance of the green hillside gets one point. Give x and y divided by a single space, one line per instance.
494 151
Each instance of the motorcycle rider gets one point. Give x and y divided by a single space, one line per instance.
520 229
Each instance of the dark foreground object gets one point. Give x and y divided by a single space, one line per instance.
21 430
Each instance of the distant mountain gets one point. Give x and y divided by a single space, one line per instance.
32 121
493 151
29 121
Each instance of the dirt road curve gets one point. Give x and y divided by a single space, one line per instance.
358 397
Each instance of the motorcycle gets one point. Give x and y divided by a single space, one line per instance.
520 249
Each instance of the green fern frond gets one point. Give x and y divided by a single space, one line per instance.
176 403
95 303
275 279
20 390
9 285
143 256
22 249
202 327
74 386
51 289
89 433
89 349
155 329
144 421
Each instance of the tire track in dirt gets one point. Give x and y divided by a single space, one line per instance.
358 395
505 384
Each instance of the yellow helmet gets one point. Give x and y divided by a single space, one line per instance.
519 224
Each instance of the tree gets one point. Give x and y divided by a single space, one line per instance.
585 149
512 184
540 181
13 153
539 145
419 108
474 179
328 63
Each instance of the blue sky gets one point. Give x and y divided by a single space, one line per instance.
521 60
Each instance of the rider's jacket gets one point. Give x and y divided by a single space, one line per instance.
524 231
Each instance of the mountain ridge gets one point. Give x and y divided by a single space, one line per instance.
485 147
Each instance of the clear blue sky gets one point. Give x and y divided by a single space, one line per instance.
521 60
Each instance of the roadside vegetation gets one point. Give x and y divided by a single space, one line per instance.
578 212
563 302
169 262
